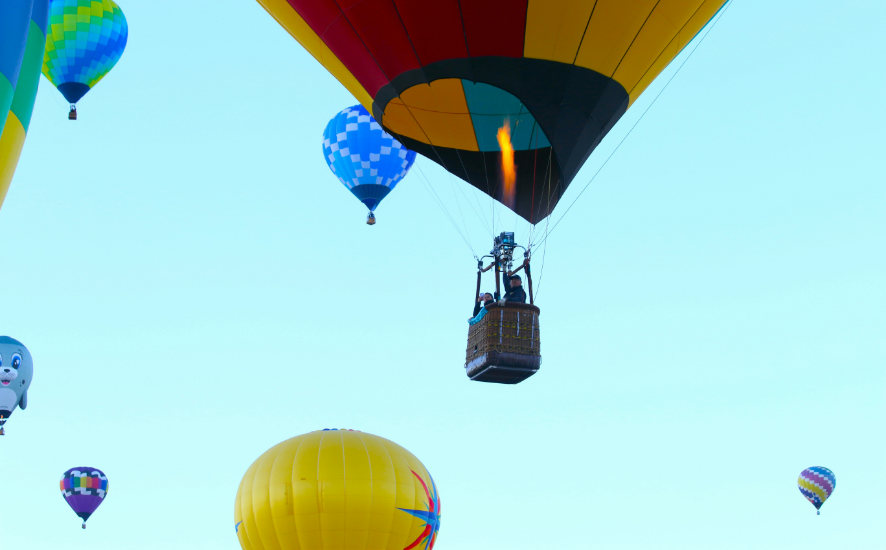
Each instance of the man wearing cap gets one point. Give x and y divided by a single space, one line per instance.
514 286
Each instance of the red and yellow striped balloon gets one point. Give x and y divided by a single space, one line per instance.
443 76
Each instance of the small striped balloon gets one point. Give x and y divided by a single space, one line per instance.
817 483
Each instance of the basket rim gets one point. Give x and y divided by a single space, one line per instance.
513 305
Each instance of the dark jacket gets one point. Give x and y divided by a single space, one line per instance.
516 294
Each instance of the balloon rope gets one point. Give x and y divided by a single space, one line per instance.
535 131
541 275
463 194
547 223
438 200
461 214
534 169
585 188
446 167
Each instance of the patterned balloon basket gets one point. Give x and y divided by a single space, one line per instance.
816 484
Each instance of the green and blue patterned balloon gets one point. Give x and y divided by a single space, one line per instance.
22 39
84 41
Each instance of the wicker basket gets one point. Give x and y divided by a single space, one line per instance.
504 347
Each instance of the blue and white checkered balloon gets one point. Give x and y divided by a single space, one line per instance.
363 156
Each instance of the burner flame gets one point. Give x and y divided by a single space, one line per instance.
508 169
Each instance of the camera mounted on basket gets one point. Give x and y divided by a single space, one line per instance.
502 256
503 249
503 244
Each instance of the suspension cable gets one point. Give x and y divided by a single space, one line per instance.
544 255
463 194
436 199
697 44
460 213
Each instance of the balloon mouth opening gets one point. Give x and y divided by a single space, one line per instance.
73 91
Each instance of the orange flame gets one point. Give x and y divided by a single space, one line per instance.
508 169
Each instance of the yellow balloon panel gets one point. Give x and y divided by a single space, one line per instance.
434 113
555 28
337 490
700 17
12 140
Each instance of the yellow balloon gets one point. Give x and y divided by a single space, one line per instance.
337 490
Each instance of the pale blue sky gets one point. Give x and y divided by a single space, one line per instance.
195 286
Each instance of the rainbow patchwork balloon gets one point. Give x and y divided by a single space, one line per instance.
817 483
85 40
84 489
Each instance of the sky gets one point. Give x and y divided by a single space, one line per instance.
195 286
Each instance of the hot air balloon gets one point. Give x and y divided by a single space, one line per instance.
86 39
22 39
443 77
333 489
817 483
365 158
84 489
16 373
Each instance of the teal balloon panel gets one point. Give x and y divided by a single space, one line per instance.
84 41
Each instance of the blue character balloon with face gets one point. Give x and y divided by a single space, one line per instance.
16 372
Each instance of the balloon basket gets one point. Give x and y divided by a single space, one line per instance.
503 348
2 431
370 219
83 526
818 512
72 115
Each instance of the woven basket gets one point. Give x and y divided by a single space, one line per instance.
507 342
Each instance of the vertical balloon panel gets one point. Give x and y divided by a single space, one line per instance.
22 41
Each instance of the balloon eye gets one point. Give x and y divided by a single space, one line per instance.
16 361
